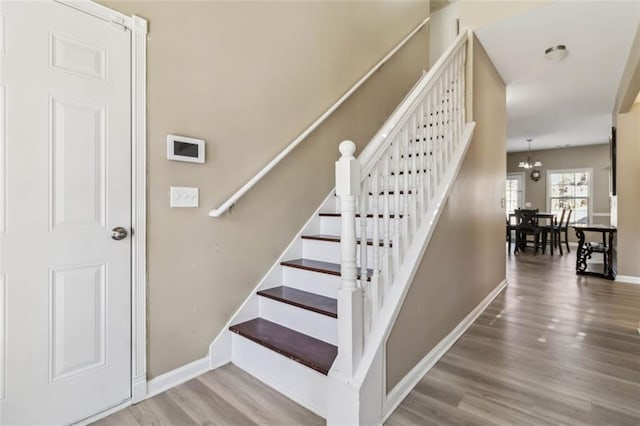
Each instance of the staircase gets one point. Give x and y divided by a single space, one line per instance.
295 333
316 326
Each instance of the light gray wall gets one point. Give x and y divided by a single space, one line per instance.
595 157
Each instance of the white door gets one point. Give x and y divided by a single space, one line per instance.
65 280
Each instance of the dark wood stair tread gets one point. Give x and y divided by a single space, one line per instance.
299 347
320 266
303 299
336 239
370 215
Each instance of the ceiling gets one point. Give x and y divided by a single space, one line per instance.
566 103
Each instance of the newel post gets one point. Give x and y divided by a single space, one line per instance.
350 301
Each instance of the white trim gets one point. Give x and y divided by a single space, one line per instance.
247 186
406 385
589 171
629 279
178 376
101 415
138 209
102 12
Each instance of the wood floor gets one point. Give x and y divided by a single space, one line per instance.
552 349
225 396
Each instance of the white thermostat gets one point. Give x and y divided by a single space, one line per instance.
182 148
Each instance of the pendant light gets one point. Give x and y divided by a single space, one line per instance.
526 162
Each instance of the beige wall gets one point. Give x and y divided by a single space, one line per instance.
630 81
249 77
628 192
471 228
595 157
479 13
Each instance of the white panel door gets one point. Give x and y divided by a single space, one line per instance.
66 80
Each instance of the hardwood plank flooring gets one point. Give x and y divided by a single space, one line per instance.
225 396
553 348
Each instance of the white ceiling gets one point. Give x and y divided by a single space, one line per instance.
570 102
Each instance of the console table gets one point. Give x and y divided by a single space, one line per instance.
604 245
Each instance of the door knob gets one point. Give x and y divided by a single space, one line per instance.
118 233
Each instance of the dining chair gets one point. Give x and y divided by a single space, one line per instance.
510 227
554 229
527 224
564 230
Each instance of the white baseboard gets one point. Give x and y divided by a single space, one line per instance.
628 279
176 377
139 390
406 385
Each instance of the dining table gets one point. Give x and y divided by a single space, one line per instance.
539 215
551 217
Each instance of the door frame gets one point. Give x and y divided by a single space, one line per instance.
138 28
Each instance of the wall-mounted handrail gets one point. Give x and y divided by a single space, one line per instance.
266 169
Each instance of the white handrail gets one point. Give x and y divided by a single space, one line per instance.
247 186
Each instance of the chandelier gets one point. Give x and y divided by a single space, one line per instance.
526 162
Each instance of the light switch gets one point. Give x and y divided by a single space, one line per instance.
183 197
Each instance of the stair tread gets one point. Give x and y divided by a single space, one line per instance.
303 299
336 239
332 214
319 266
299 347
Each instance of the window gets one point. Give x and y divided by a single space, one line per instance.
570 189
514 192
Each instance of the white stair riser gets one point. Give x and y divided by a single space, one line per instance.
312 324
329 251
313 282
300 383
331 225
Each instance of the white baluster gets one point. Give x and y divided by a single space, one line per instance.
375 278
429 147
397 166
421 164
413 198
386 199
406 147
350 309
441 150
449 116
456 105
364 197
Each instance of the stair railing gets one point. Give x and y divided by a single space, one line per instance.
231 201
396 186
